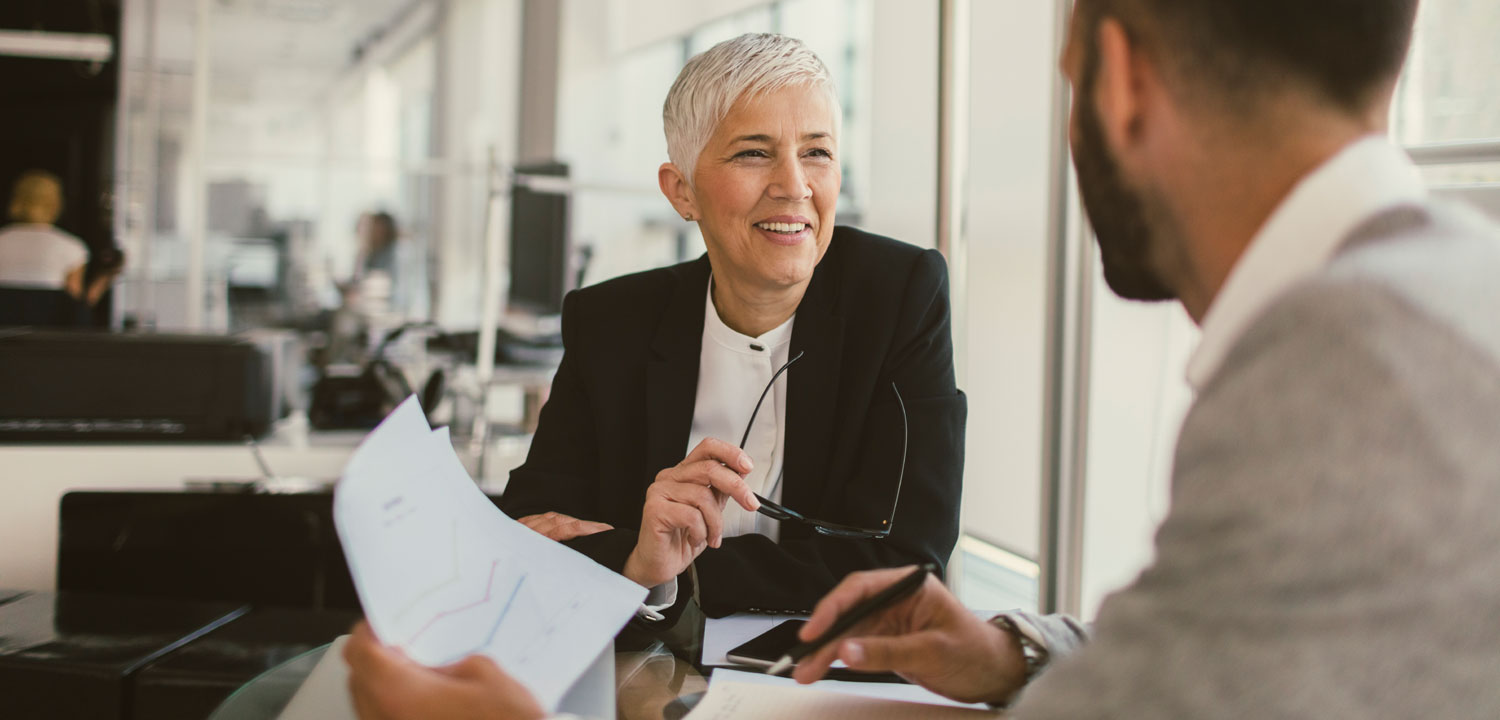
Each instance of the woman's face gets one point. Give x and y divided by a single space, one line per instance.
767 186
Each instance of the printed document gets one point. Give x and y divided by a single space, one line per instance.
443 574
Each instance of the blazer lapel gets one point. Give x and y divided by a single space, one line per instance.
812 392
672 372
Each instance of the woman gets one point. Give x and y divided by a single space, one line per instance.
35 253
638 450
646 457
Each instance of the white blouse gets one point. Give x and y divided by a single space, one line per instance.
733 369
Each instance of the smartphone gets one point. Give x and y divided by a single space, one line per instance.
765 649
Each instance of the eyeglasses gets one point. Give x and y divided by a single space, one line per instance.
783 513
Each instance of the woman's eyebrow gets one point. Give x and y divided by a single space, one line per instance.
761 138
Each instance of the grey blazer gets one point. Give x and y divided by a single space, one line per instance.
1333 548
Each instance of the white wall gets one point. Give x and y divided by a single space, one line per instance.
1005 231
903 122
1138 396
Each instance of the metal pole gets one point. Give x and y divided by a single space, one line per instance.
953 121
953 165
496 216
1065 403
197 230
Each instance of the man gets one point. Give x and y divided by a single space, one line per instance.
1332 545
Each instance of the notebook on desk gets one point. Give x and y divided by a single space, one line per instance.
325 693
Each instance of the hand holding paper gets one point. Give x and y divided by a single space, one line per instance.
443 574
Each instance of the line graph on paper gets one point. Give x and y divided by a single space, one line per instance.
442 573
475 600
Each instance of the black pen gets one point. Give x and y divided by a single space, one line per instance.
903 587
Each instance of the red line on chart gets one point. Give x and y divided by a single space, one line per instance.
453 577
488 587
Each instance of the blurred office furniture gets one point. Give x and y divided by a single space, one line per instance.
84 655
102 386
41 308
191 682
164 303
67 655
265 549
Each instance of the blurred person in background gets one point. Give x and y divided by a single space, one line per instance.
36 254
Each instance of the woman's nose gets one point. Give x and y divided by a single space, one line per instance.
790 182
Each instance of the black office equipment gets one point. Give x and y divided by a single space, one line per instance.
75 386
278 550
541 247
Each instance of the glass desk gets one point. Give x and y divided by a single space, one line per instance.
649 683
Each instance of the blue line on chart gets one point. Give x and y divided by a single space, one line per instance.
504 611
496 628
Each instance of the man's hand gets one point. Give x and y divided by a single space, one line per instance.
385 685
560 527
683 512
928 638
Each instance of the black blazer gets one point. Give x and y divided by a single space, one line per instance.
621 407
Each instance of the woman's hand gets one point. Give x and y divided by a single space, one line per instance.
560 527
385 685
683 512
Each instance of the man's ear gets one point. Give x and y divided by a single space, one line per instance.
1120 86
677 190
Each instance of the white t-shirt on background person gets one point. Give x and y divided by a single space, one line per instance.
38 256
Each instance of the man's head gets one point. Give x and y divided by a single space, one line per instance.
1165 88
36 198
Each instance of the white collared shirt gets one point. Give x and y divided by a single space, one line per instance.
1367 177
733 369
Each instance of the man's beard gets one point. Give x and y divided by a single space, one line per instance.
1127 243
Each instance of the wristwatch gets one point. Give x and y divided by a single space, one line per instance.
1033 652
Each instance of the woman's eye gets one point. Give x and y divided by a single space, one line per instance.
820 153
752 154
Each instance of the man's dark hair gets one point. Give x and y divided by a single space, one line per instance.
1342 51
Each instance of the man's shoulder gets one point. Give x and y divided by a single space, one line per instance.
1439 260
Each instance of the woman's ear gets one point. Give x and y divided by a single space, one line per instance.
677 190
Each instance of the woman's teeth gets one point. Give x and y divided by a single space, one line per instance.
783 228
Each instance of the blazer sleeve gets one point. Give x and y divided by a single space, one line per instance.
753 571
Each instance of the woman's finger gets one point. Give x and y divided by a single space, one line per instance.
711 474
707 504
721 452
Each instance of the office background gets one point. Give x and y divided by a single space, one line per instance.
251 130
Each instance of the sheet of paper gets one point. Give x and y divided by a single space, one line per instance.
730 700
324 695
720 635
888 691
442 573
727 633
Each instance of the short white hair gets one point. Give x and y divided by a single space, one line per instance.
714 80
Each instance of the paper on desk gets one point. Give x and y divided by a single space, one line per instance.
720 635
443 574
905 692
734 700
